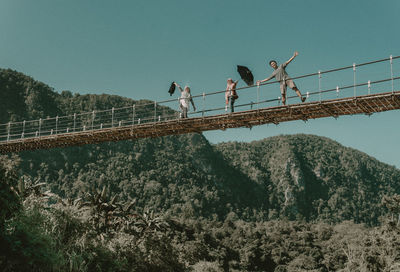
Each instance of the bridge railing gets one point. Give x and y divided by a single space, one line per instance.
357 79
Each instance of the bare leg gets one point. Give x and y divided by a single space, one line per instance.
283 92
299 94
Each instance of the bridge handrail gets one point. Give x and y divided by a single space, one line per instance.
61 120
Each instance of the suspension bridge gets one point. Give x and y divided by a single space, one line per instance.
143 120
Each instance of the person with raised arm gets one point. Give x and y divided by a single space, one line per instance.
280 75
184 100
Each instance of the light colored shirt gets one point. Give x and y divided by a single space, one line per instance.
185 98
280 73
230 91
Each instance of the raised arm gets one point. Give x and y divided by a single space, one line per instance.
180 88
292 58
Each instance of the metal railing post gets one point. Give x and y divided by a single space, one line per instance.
74 121
56 123
8 133
93 120
155 111
40 125
23 129
112 117
391 71
204 101
319 84
354 76
180 112
369 86
133 115
258 95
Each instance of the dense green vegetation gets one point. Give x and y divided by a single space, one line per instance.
315 177
296 177
178 203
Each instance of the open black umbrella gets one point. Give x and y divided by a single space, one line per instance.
245 74
172 88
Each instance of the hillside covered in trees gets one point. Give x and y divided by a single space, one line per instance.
179 203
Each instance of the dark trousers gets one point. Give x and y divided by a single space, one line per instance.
231 102
184 111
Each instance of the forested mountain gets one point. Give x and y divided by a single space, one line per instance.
221 207
175 175
296 177
315 177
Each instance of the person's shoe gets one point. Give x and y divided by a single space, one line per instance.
303 99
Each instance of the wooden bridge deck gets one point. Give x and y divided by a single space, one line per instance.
366 104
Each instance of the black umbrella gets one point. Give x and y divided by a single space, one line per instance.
172 88
245 74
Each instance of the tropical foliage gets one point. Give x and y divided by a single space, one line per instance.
179 203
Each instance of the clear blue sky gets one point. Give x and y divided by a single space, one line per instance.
136 48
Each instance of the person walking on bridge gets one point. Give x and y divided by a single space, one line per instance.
230 94
280 75
184 100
